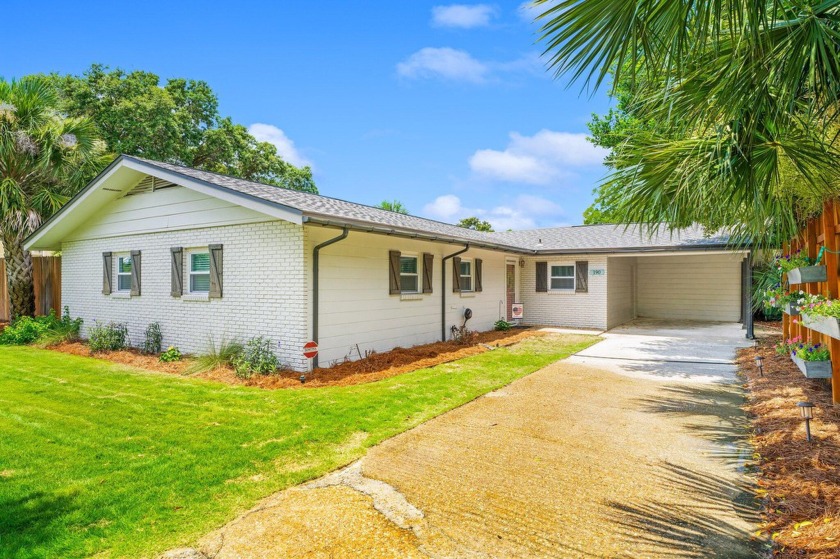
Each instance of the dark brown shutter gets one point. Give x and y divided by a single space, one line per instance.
177 271
542 277
135 273
456 275
107 272
216 271
428 271
394 272
581 276
478 274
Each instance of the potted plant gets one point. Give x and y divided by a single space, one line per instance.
822 316
800 268
814 360
792 303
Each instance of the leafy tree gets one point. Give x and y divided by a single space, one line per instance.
743 94
475 224
178 122
44 158
393 206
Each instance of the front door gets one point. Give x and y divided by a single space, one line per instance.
510 287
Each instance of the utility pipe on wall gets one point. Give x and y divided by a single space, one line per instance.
443 290
315 288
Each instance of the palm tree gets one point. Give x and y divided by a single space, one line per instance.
393 206
44 157
745 94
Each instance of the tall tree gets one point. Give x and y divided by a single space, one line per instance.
44 157
178 122
744 94
393 206
475 224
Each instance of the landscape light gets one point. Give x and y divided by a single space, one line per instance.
759 361
806 410
302 378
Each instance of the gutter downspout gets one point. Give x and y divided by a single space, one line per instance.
315 287
443 290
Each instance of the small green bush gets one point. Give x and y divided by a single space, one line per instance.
170 355
218 355
43 330
256 357
154 339
502 325
108 337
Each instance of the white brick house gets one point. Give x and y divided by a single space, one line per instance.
210 257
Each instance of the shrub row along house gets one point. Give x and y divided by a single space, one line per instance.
211 257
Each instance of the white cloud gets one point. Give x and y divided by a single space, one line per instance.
285 146
539 159
525 212
463 15
446 63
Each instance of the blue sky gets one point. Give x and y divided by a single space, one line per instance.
444 106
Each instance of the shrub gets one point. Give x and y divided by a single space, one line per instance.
154 339
43 330
170 355
221 355
256 357
502 325
108 337
463 335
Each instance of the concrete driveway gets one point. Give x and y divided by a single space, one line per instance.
572 461
668 350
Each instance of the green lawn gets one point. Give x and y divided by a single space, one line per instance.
97 458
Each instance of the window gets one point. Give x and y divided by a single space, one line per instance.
199 272
409 278
124 273
562 277
466 275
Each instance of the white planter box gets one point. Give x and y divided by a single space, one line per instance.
823 324
790 309
813 369
807 274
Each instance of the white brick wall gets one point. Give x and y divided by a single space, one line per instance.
575 310
264 287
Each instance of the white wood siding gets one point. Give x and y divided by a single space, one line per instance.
620 290
356 308
692 287
169 209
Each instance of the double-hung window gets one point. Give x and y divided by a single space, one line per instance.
465 274
409 276
562 277
199 271
124 273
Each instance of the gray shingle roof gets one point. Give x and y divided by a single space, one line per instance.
604 238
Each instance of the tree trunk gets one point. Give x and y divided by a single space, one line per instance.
19 275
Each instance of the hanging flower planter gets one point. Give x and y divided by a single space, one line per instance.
790 309
828 325
807 274
813 369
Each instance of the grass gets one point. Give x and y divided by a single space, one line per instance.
100 459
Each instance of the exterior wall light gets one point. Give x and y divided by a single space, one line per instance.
806 410
759 361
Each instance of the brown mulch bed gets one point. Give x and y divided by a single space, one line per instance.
799 481
372 368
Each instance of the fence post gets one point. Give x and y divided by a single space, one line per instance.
830 257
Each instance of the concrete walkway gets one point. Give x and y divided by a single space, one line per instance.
572 461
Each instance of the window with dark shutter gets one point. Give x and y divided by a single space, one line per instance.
135 273
428 271
478 286
177 268
456 275
542 277
394 272
107 271
581 276
216 272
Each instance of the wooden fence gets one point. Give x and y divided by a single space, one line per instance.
46 272
822 231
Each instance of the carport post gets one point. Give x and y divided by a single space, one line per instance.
746 290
